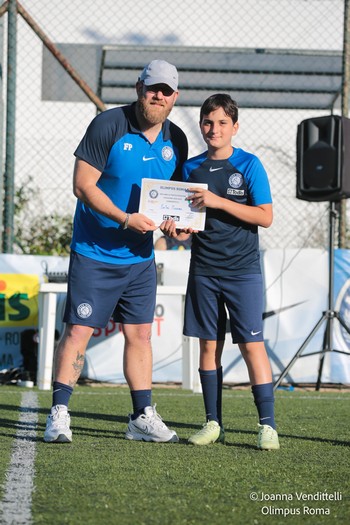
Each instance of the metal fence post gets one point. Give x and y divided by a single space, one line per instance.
345 110
9 175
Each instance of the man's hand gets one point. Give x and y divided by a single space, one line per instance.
140 223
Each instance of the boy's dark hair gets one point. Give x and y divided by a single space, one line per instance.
220 100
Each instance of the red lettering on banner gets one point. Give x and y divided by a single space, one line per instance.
158 321
108 330
112 327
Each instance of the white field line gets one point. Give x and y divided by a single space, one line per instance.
15 508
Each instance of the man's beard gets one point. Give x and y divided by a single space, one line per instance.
153 113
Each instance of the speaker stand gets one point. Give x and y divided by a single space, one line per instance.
330 315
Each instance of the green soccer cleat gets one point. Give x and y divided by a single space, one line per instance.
210 433
267 438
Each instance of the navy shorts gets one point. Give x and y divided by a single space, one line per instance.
98 291
208 299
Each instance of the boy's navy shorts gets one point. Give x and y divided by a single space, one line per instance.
98 291
208 298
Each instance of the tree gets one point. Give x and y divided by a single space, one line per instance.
35 233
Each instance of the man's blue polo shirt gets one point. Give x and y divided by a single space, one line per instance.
114 145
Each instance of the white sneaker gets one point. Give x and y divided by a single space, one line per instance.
150 427
57 426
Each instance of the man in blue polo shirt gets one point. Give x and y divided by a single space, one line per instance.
112 270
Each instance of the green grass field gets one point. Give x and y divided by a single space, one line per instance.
101 478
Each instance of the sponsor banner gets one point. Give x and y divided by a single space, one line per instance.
18 311
20 277
296 283
18 299
340 363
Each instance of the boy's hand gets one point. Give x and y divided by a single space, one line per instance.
169 229
201 198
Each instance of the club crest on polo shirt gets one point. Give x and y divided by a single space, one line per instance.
84 310
235 181
167 153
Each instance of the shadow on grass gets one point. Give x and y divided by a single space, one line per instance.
75 414
19 426
228 431
117 434
303 438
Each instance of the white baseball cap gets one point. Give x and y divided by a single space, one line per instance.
160 72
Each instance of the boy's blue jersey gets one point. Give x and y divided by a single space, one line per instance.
114 145
228 246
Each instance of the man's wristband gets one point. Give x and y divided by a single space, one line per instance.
126 222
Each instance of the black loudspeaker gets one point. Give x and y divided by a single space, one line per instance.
323 159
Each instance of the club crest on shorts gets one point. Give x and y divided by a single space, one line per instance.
84 310
167 153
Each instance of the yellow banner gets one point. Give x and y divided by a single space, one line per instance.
18 299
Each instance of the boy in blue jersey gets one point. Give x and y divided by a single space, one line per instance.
225 268
112 270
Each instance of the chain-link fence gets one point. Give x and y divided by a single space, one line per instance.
51 115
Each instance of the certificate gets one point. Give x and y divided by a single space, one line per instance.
166 199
